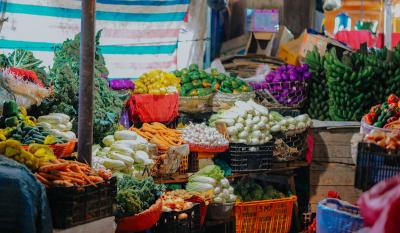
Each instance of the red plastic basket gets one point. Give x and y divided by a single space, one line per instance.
60 150
142 221
208 149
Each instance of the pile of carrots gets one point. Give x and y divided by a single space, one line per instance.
70 173
160 135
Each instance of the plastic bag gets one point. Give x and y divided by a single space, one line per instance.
330 5
153 108
380 206
174 157
123 84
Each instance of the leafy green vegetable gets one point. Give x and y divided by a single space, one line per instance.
212 171
64 77
135 196
249 190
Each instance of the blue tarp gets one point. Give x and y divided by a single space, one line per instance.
23 202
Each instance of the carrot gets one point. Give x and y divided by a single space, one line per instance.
84 176
96 179
73 180
42 179
49 176
147 128
171 142
51 167
62 183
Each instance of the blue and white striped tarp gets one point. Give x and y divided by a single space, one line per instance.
138 35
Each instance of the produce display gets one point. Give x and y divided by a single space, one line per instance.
287 84
385 115
211 178
197 82
160 135
283 124
157 82
33 158
68 173
64 78
14 115
389 141
57 124
125 152
248 190
24 64
135 196
247 122
201 134
350 81
318 97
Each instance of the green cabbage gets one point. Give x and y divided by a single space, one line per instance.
212 171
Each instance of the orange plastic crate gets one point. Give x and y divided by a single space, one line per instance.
269 216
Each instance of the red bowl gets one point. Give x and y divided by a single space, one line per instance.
141 221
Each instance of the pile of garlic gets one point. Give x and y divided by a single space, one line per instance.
201 134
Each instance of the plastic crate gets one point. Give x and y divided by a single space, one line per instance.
297 142
176 222
193 162
334 216
375 164
71 206
269 216
246 158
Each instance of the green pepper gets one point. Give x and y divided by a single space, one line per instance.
203 74
177 73
185 71
379 124
214 72
185 78
204 91
196 83
193 92
226 90
221 77
226 84
11 121
234 84
187 87
183 92
193 67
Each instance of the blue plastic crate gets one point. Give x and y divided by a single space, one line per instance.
334 216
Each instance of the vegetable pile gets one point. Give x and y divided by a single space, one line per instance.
247 122
283 124
318 98
125 152
197 82
157 82
33 158
287 84
135 196
248 190
160 135
211 177
201 134
64 77
70 173
389 141
57 124
385 115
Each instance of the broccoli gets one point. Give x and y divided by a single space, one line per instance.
128 203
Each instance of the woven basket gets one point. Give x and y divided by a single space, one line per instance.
60 150
225 101
195 104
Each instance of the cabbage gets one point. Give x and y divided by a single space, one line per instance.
212 171
203 179
108 140
141 156
225 183
199 187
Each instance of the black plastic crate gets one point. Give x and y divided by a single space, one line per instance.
193 162
186 221
247 158
375 164
71 206
298 143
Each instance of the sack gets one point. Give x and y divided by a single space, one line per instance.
380 206
153 108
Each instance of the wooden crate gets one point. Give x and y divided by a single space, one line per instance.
333 167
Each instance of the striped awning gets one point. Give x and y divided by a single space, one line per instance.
138 35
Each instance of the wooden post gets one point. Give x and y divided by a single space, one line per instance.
86 76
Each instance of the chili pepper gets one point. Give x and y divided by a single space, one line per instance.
375 108
368 119
392 98
391 119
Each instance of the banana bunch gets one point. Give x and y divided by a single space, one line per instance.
318 105
349 85
33 158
